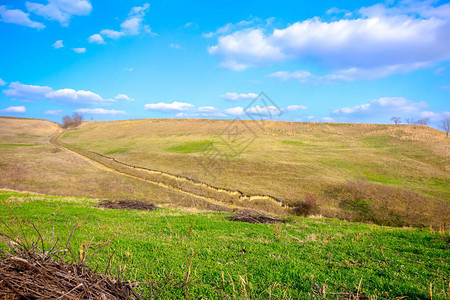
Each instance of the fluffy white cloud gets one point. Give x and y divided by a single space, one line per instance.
68 96
58 44
54 112
112 34
14 109
79 50
263 110
133 25
16 16
123 97
169 107
96 38
99 111
235 111
295 107
238 97
299 75
246 48
347 75
75 97
385 107
23 91
385 39
60 10
327 119
2 83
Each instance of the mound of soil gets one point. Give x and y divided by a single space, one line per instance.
128 204
256 218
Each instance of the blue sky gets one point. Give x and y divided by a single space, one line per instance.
355 61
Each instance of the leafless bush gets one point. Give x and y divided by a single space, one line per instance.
445 125
306 207
73 121
396 120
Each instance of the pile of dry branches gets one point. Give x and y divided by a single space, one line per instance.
29 271
128 204
256 218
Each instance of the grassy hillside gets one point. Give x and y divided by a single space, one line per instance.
240 260
397 175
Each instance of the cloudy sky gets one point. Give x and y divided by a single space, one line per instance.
361 61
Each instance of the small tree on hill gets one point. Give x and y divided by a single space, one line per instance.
396 120
73 121
409 121
445 125
423 121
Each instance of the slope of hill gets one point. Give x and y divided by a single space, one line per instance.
397 175
385 174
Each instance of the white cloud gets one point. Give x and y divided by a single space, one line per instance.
96 38
445 87
16 16
238 97
235 111
100 111
262 110
129 69
58 44
230 27
75 97
175 46
23 91
79 50
2 83
348 75
14 109
327 119
382 39
337 11
112 34
133 25
60 10
54 112
385 108
169 107
123 97
296 107
68 96
299 75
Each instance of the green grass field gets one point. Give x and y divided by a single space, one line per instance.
245 261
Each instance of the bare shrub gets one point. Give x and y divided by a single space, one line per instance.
73 121
128 204
363 201
306 207
256 218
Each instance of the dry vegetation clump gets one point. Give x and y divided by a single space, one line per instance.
363 201
29 271
305 208
128 204
256 218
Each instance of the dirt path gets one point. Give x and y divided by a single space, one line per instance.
217 196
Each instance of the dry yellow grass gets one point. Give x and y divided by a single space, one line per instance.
284 160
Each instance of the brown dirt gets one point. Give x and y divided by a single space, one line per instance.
128 204
256 218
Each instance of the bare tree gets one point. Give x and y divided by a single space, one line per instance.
445 125
396 120
422 121
73 121
409 121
